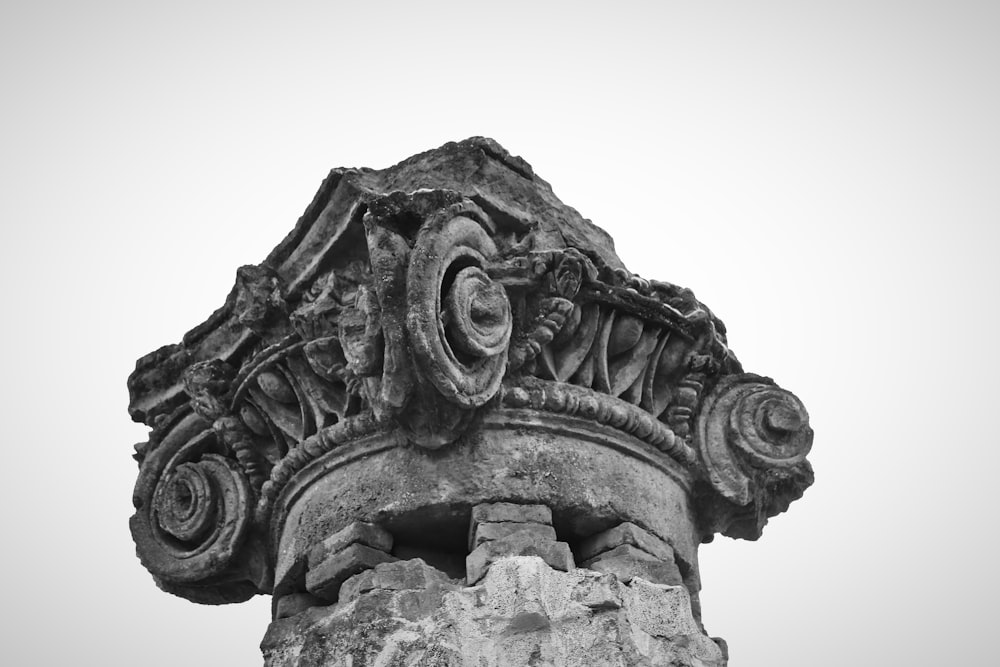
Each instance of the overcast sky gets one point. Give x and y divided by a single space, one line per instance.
824 175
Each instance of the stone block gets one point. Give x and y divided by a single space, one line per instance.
625 533
401 575
523 543
598 592
627 562
523 612
357 532
324 578
290 605
511 513
660 611
486 532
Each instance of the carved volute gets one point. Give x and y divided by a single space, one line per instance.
436 337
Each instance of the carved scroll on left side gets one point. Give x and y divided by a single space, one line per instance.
193 513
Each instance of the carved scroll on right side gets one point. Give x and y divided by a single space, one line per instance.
753 438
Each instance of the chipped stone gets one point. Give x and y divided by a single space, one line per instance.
602 592
625 533
627 562
511 513
357 532
294 603
523 543
659 610
413 574
486 532
324 578
523 612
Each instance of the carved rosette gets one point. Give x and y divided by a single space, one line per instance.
410 314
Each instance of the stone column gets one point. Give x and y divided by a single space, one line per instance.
441 424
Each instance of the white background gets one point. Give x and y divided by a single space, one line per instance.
825 175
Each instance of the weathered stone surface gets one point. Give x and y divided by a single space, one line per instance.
486 532
597 593
323 578
521 543
627 562
511 513
660 611
358 532
437 352
295 603
591 486
403 575
625 533
522 613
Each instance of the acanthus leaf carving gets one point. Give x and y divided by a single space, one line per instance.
260 301
410 315
389 252
557 276
209 383
363 346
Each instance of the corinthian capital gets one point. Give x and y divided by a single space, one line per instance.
432 344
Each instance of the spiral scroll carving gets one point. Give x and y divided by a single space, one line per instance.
193 512
459 321
200 514
754 438
409 313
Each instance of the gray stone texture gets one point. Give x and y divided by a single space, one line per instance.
522 613
522 543
591 486
325 576
512 513
404 420
625 533
486 532
627 562
358 532
295 603
404 575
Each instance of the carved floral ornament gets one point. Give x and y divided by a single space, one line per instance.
420 315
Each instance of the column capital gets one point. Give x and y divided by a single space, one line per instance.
431 337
